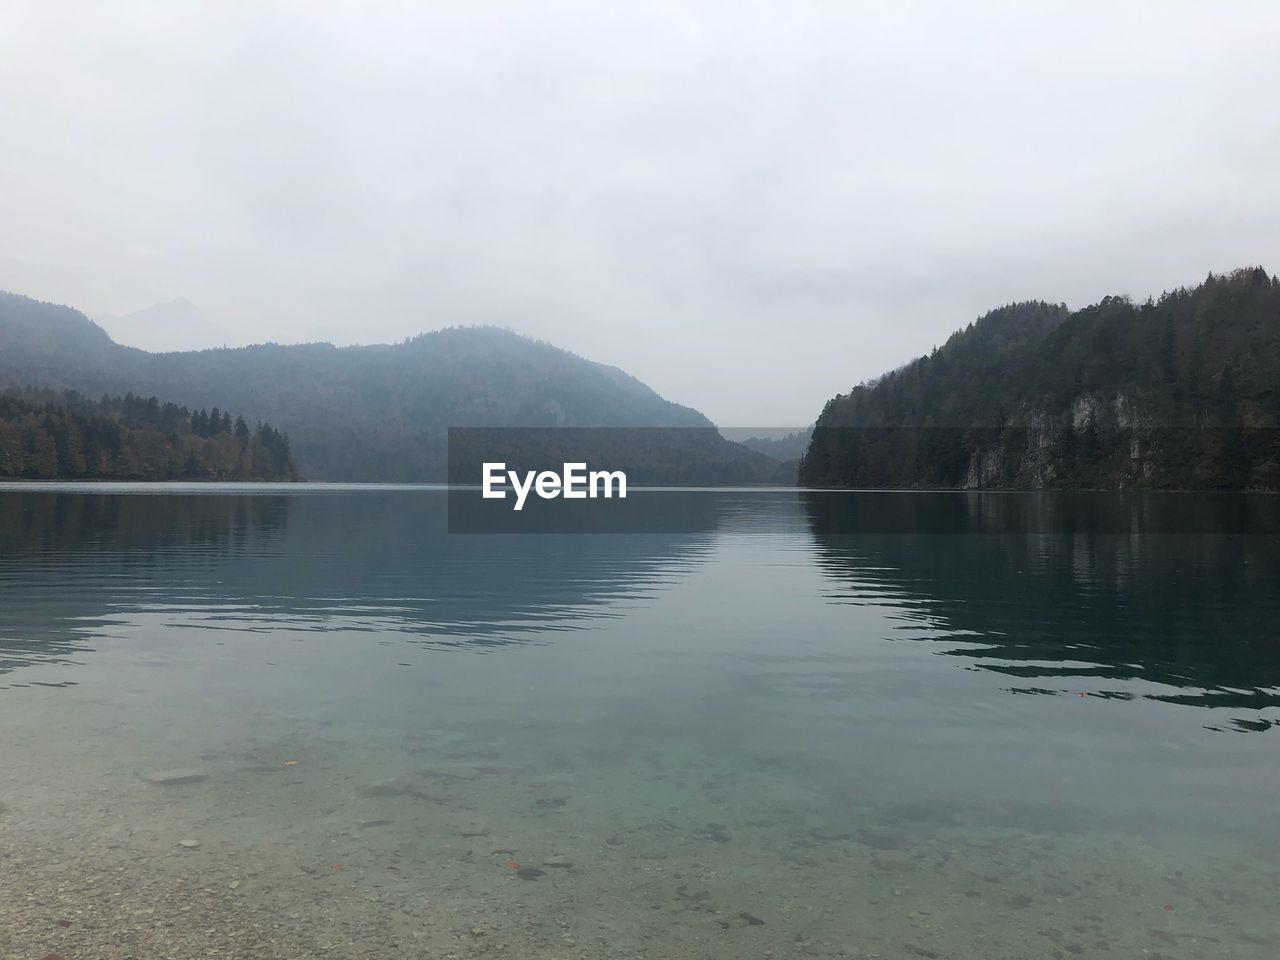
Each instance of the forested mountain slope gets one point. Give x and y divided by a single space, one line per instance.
46 436
358 413
1180 392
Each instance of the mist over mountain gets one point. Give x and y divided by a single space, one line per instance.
1179 392
365 413
780 444
174 325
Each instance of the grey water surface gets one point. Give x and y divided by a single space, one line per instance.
784 729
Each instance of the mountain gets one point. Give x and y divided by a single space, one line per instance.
1180 392
170 326
49 337
369 413
780 444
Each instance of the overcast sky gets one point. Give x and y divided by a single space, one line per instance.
749 206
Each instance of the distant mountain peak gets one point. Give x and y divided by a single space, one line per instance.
170 326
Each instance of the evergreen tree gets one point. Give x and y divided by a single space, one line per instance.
67 436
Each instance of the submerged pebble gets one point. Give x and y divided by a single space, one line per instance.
715 832
396 788
919 951
451 772
173 778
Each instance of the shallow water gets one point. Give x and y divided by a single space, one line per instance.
769 734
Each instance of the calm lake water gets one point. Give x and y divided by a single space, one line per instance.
266 722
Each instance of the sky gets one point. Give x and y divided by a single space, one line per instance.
749 206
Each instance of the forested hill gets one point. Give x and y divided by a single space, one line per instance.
362 413
69 437
1180 392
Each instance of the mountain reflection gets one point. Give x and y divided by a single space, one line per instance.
73 565
1076 607
1113 596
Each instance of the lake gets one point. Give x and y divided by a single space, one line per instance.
307 721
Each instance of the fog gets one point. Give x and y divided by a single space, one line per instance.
748 206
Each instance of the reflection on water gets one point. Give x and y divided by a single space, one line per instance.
1186 616
1024 586
70 563
799 728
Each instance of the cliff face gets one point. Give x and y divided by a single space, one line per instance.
1177 393
1111 444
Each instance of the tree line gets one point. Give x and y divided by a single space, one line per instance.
1177 392
46 435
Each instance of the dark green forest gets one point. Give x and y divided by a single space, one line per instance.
1177 392
66 436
